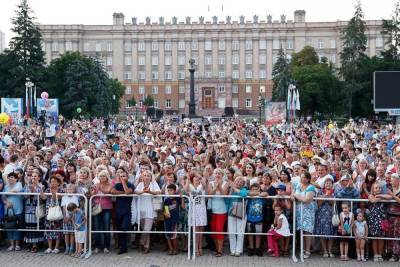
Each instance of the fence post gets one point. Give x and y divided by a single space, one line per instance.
89 253
294 258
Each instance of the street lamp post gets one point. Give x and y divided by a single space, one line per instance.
136 110
29 97
192 103
260 106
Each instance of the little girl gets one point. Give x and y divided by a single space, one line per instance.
279 229
360 229
68 224
346 221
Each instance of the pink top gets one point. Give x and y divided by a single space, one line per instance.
105 202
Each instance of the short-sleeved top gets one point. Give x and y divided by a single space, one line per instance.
218 204
255 207
17 201
123 204
173 207
79 218
284 230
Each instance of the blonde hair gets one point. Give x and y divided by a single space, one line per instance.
104 173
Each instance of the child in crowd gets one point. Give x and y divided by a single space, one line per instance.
68 224
346 222
279 229
171 218
80 228
255 207
360 229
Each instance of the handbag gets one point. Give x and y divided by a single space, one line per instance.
157 203
10 220
55 213
40 211
335 217
237 210
96 209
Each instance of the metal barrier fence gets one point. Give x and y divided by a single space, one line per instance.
302 235
188 232
38 219
293 233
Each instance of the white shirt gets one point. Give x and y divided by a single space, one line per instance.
284 230
144 203
51 130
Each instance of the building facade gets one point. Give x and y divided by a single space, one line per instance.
2 41
234 59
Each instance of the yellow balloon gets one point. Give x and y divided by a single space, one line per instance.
4 118
330 126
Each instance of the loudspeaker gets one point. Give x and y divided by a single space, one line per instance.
159 113
150 112
228 112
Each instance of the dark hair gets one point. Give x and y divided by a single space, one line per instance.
264 160
12 174
369 183
72 206
307 175
171 186
287 173
53 177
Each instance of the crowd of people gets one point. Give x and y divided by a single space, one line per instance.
304 165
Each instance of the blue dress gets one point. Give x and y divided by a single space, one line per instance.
305 221
323 220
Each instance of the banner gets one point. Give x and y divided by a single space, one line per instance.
275 112
13 107
48 106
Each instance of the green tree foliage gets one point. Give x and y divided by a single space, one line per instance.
11 76
132 102
307 56
391 29
26 46
80 81
148 101
280 77
353 53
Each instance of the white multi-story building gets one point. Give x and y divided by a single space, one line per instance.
234 59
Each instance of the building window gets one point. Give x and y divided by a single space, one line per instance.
333 59
195 45
154 46
289 44
109 61
140 103
289 57
221 45
333 43
249 59
262 89
167 46
141 46
68 46
168 89
154 60
235 89
181 75
321 44
141 90
128 75
208 45
249 74
128 46
208 60
235 45
309 42
168 75
168 103
235 74
221 74
248 103
54 47
168 60
128 90
221 59
274 59
221 102
263 74
379 41
249 44
109 47
155 103
142 60
235 102
86 47
128 104
235 59
181 60
263 44
154 90
110 74
263 59
154 75
221 88
275 44
98 47
181 103
142 75
248 89
181 45
128 60
181 89
208 74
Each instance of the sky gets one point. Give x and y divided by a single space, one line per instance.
94 12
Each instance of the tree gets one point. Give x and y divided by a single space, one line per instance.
307 56
148 101
10 74
280 77
27 47
391 29
353 53
132 102
117 90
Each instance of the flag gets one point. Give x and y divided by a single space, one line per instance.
208 8
298 100
289 99
222 7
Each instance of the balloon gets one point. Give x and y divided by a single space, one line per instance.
78 110
4 118
44 95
